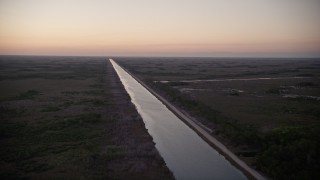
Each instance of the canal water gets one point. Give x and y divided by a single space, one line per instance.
186 154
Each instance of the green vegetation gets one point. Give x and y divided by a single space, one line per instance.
60 120
177 83
305 84
225 126
283 153
277 91
51 109
38 139
30 94
291 153
7 112
54 144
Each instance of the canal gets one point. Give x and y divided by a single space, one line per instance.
186 154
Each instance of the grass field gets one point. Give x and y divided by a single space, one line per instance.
265 110
70 118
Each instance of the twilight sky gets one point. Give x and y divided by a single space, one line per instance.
267 28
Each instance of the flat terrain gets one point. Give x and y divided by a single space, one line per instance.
70 118
265 110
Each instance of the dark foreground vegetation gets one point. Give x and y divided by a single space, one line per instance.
70 118
260 121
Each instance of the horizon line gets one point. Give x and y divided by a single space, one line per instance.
158 56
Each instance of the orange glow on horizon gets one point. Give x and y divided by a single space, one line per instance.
164 28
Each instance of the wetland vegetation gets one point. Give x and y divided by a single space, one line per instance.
70 118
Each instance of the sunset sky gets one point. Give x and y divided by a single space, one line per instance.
267 28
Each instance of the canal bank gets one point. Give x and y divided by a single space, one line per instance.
204 134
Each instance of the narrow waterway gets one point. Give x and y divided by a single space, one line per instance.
186 154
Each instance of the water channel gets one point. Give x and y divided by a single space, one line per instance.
186 154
